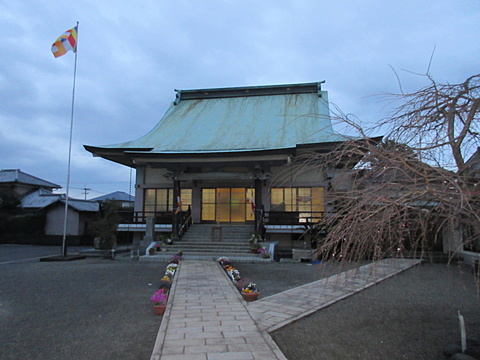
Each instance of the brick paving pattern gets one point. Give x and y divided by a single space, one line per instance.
207 317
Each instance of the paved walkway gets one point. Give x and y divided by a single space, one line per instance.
276 311
207 317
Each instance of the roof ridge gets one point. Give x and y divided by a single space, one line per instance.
18 172
243 91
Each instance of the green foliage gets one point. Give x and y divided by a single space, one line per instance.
105 226
9 201
13 220
23 224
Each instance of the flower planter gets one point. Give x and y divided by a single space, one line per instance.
159 309
250 296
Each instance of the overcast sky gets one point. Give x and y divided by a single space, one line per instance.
133 54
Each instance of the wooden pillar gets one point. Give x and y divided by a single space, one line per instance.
176 213
258 202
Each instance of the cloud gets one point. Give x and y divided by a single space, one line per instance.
131 57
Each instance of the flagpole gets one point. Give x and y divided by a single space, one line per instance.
64 241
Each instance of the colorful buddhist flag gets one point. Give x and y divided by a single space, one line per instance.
252 203
179 205
67 41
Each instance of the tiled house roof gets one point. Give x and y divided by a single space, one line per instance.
16 176
117 195
42 198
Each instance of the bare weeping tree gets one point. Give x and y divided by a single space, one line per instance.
413 192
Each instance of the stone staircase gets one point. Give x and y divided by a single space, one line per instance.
230 233
198 244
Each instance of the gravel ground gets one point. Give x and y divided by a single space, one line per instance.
79 310
410 316
99 309
275 277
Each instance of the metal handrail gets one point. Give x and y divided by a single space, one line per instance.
187 221
260 228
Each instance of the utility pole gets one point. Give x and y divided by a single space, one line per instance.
85 191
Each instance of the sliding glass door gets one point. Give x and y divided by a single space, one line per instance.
228 205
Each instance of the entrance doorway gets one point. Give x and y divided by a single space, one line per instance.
228 205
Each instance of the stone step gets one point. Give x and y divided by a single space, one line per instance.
206 247
208 235
208 239
245 258
211 243
203 232
196 244
180 245
207 250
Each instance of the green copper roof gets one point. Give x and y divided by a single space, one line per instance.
240 119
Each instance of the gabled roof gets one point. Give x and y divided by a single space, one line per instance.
42 198
117 195
472 165
17 176
236 120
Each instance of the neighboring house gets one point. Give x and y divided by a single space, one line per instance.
80 212
414 187
23 183
122 198
223 156
472 165
37 196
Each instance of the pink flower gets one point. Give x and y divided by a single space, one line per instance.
159 297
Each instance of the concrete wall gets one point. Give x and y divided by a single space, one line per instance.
55 221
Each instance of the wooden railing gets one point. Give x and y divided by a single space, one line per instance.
183 220
292 217
140 217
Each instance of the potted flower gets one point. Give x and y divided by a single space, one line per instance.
254 248
171 270
165 284
264 253
159 300
250 292
233 273
222 260
240 284
224 263
254 239
177 257
172 267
